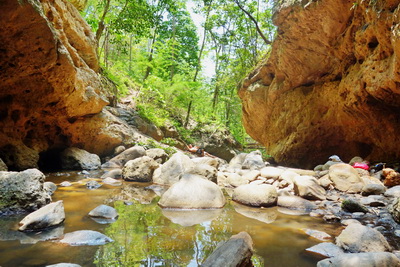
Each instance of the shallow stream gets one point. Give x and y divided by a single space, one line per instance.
146 235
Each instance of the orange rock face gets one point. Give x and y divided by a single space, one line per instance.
50 90
331 84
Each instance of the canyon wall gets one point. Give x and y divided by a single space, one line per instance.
331 84
51 94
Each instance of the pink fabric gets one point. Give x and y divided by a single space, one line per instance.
361 166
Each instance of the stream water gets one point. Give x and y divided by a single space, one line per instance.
146 235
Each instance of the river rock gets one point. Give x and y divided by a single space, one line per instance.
308 188
3 166
64 265
92 184
393 191
237 161
352 205
359 238
191 217
112 181
85 238
171 170
237 251
104 211
253 161
345 178
129 154
271 172
205 170
140 169
392 178
371 259
324 250
325 182
50 187
235 179
193 192
373 189
321 236
119 149
22 191
158 154
295 203
256 195
47 216
65 184
394 209
114 173
374 201
214 162
74 158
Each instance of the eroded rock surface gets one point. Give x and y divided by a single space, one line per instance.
331 84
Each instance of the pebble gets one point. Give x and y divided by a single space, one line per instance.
65 184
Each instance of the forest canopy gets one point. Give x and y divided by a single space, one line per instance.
183 59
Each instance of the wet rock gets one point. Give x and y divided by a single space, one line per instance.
115 174
85 238
253 161
256 195
92 184
64 265
295 203
65 184
371 259
193 192
321 236
393 192
104 211
308 188
22 191
394 209
50 215
237 251
50 187
351 205
358 238
111 181
345 178
171 170
3 166
158 154
129 154
74 158
373 189
271 172
140 169
262 215
324 250
331 218
191 217
392 178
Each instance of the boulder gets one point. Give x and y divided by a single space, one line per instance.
140 169
352 205
205 170
272 172
253 161
262 195
324 250
119 149
214 162
237 251
325 182
373 189
193 192
92 184
85 238
319 235
171 170
158 154
308 188
235 179
394 209
3 166
22 191
345 178
50 187
237 161
295 203
50 215
371 259
393 191
392 178
129 154
74 158
359 238
114 173
104 211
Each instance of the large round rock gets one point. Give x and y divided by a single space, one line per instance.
345 178
193 192
74 158
262 195
140 169
47 216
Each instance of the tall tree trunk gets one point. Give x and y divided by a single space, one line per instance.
172 66
130 53
150 58
101 27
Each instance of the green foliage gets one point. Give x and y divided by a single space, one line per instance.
150 143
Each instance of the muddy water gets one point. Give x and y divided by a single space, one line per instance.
145 235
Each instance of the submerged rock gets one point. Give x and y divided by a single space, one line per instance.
92 184
104 211
237 251
50 215
85 238
262 195
324 250
74 158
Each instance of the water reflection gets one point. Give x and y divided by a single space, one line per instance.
191 217
266 215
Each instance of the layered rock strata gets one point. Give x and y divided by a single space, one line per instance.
331 84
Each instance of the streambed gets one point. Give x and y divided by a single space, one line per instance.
146 235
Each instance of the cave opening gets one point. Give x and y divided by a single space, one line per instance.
50 160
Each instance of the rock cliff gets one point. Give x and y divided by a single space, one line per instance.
51 95
331 84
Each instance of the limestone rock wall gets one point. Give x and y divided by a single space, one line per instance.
331 84
50 90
